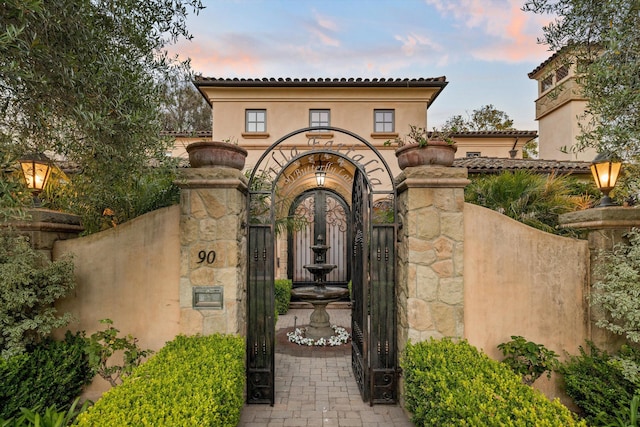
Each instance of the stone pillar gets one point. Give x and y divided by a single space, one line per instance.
605 227
430 253
44 227
212 250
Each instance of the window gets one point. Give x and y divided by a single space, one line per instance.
473 154
384 120
562 72
256 121
319 118
546 83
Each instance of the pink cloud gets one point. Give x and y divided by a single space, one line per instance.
207 59
512 33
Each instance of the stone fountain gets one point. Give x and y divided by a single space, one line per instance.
319 295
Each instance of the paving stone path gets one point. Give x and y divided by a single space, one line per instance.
316 387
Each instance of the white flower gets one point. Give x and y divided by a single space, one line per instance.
341 337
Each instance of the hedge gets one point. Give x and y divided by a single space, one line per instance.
49 373
453 384
192 381
282 295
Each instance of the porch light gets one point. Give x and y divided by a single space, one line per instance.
605 172
320 175
36 169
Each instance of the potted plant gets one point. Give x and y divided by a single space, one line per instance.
424 148
207 154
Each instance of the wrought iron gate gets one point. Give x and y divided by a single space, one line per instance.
370 246
260 316
373 315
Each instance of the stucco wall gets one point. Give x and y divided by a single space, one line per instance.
129 274
521 281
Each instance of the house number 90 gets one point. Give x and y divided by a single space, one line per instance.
208 257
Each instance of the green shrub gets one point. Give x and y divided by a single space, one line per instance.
453 384
50 417
528 359
283 295
533 199
102 345
194 381
597 385
617 290
29 286
52 373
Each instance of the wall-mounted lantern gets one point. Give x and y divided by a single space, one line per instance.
321 174
36 169
605 170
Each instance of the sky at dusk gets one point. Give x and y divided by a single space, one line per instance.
485 48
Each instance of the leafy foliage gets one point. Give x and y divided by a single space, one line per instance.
485 118
617 289
51 373
453 384
52 417
184 109
596 384
29 286
126 198
98 65
14 195
191 381
282 295
102 346
528 359
533 199
602 38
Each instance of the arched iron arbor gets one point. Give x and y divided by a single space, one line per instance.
371 245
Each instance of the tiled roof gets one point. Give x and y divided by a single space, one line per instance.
195 134
490 165
321 82
544 64
496 134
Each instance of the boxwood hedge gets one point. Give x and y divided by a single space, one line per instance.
453 384
192 381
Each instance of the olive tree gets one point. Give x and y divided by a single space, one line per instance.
80 79
602 39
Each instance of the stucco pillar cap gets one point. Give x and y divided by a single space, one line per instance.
432 177
216 177
598 218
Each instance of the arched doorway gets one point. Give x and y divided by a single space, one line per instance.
325 213
358 179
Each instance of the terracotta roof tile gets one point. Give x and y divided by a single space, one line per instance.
322 82
489 165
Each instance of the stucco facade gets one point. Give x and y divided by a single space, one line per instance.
560 108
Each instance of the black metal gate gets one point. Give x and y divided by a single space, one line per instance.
373 315
260 316
370 245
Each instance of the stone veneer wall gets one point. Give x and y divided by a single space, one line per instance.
430 253
212 216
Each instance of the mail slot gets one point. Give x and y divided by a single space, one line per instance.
208 297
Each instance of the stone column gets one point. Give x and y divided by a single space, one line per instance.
44 227
212 253
430 253
605 228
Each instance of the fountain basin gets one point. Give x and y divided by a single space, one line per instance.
319 293
319 269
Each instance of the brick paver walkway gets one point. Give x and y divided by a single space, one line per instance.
318 388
